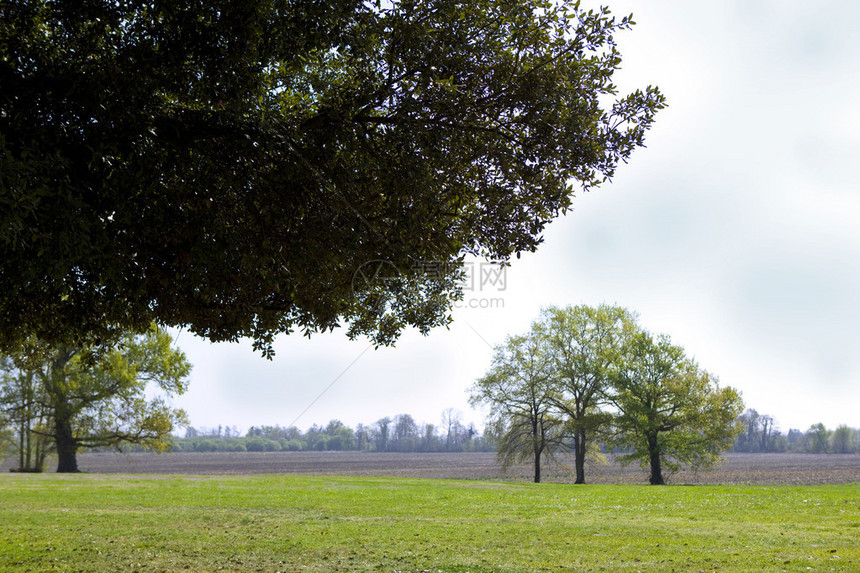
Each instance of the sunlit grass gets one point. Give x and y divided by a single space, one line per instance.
290 523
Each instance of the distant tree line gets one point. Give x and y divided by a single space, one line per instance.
761 434
398 434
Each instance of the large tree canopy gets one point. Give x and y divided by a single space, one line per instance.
233 165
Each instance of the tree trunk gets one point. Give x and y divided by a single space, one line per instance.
537 465
654 455
67 447
29 435
64 437
41 453
579 455
21 447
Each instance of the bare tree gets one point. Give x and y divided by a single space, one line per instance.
766 430
450 421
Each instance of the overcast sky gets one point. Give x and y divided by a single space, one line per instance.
735 231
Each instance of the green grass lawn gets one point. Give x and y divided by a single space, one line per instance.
297 523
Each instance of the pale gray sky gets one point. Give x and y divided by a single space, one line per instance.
735 231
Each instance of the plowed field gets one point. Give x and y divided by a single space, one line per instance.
765 469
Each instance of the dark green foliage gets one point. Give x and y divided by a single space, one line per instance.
232 165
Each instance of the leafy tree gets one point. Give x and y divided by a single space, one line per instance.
670 411
818 437
362 437
518 392
405 436
427 439
778 442
842 440
260 444
382 434
748 439
583 342
96 395
340 436
796 440
235 165
767 432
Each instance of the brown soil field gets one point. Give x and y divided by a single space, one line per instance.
765 469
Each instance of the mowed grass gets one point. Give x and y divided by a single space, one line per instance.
301 523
